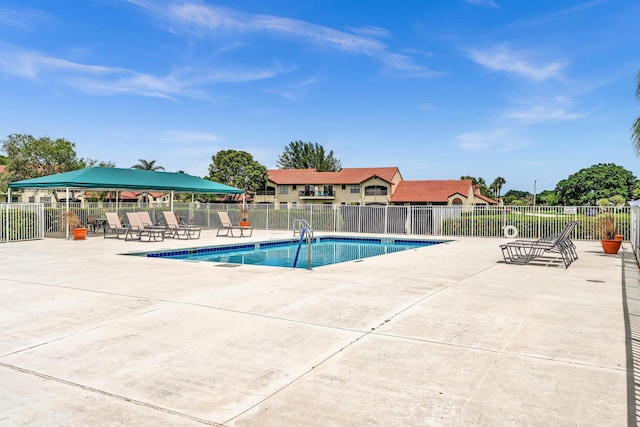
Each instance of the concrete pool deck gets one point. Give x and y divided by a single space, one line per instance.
446 335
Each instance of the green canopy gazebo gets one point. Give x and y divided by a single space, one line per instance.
102 179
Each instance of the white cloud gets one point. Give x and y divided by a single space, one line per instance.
23 20
520 62
556 109
187 136
496 140
488 3
371 31
540 113
103 80
206 20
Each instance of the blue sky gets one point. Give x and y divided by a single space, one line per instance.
526 90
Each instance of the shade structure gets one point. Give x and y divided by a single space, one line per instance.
117 178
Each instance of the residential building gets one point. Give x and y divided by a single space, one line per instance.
439 192
365 186
360 186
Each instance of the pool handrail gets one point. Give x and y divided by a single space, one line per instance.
309 232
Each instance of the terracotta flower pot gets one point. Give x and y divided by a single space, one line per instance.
611 246
79 233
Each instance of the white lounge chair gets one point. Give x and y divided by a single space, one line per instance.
178 231
526 251
114 226
228 228
138 231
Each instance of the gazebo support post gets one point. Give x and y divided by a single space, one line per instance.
67 227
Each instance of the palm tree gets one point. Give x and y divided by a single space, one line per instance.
635 129
147 165
497 185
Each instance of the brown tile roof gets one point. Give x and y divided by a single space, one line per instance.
476 192
435 191
345 176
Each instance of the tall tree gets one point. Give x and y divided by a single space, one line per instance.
30 157
635 129
473 179
497 184
238 169
480 182
601 181
147 165
307 155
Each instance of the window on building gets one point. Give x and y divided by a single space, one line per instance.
294 187
375 190
32 199
283 189
344 186
355 188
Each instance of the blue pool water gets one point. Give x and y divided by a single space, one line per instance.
281 253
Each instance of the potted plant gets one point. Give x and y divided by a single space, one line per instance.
72 220
609 237
244 217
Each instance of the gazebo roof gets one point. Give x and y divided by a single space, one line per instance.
99 178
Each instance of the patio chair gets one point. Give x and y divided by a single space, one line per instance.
92 223
138 231
544 249
114 227
228 228
178 231
148 222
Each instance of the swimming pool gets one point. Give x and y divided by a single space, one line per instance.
325 250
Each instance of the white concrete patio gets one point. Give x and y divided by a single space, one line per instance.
446 335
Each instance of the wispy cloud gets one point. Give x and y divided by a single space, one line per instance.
370 31
520 62
103 80
556 110
559 13
487 3
539 113
23 19
496 140
294 91
187 136
207 20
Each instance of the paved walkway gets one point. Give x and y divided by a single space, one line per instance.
446 335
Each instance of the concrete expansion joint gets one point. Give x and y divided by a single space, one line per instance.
112 395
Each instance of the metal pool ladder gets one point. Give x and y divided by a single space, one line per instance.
299 224
305 231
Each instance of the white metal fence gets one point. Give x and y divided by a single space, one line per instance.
21 221
439 221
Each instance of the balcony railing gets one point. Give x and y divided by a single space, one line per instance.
375 191
328 194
